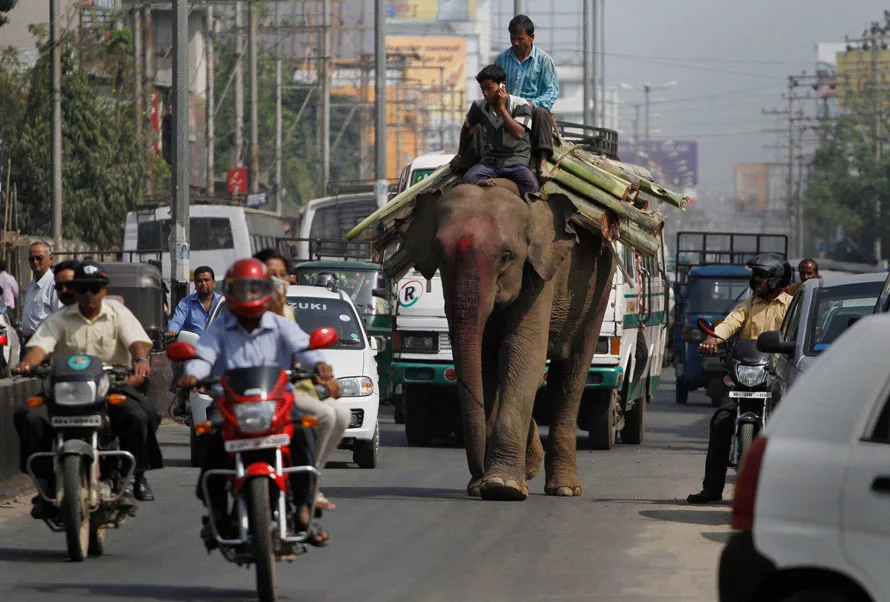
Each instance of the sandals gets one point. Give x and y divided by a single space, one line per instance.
318 537
323 502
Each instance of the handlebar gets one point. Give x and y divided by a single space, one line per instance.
118 371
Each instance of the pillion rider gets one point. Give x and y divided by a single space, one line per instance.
766 309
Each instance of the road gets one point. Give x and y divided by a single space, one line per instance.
407 531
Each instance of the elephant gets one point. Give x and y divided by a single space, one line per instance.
522 286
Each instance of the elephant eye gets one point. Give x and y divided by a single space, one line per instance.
506 256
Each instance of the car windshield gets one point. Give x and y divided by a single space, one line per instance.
317 312
836 308
715 295
358 284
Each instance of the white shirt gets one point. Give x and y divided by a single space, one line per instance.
40 302
10 289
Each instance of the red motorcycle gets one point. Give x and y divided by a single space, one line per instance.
266 485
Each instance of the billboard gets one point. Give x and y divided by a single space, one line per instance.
855 72
673 163
430 10
751 186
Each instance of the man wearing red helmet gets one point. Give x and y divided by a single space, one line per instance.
250 335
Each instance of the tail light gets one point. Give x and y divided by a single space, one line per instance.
4 340
746 487
397 341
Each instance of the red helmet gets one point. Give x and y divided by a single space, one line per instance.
248 288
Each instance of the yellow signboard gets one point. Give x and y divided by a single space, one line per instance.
431 10
855 73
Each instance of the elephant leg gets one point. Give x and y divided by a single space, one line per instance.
565 383
490 354
534 452
523 352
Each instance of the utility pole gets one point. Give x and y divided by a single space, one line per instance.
137 71
239 84
878 115
381 187
148 89
647 90
517 7
55 17
209 121
364 144
589 69
324 121
179 234
602 73
278 111
254 177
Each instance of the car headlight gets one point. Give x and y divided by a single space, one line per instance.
750 376
356 387
74 393
419 342
254 416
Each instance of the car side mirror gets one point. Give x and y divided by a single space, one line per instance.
771 342
381 293
378 344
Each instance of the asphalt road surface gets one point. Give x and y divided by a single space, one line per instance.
407 531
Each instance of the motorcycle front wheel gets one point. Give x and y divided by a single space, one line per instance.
259 525
75 508
746 440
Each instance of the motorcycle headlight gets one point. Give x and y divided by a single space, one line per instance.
254 416
750 376
356 387
74 393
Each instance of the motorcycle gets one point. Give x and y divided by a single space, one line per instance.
253 415
192 409
750 383
91 471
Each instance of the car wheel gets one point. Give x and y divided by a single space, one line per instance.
366 451
602 419
398 414
197 447
635 421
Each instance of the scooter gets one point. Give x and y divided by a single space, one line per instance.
750 385
91 471
193 411
266 484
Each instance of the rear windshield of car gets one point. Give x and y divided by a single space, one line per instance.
358 284
834 309
316 312
715 295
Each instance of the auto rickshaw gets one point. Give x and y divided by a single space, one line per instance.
371 292
141 289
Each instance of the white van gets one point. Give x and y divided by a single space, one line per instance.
326 221
218 234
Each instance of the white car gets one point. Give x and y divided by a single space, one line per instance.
354 362
812 501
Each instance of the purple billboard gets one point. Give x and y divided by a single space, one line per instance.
673 163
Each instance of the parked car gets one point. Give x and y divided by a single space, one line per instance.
812 499
353 360
820 312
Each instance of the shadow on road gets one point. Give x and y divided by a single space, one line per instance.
183 593
30 555
715 518
717 536
670 502
397 493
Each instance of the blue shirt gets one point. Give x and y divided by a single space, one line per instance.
226 345
190 314
533 79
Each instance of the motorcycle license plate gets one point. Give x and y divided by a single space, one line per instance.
75 421
240 445
750 394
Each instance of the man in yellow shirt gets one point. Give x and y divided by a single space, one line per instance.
766 309
93 326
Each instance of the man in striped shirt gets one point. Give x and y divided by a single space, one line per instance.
531 74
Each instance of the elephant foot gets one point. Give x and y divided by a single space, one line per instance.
473 487
534 457
563 487
503 489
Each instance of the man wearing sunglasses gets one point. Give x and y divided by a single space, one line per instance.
93 326
40 296
64 276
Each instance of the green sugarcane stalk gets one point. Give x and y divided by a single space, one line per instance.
400 200
591 217
594 175
645 185
645 221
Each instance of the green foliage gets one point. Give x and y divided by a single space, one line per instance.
5 7
103 164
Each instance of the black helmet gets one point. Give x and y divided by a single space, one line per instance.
327 280
775 267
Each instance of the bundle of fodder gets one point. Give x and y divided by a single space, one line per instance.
618 200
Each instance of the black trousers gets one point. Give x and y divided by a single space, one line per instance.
135 423
541 134
719 445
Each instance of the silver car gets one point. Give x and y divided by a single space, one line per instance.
820 312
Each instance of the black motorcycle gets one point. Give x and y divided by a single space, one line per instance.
91 471
750 384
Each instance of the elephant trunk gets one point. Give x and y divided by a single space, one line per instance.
469 300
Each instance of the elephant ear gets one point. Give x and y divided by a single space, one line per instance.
551 236
419 239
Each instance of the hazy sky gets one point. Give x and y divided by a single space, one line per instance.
730 59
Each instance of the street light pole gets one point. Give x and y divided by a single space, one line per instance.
517 7
381 186
647 89
179 234
54 21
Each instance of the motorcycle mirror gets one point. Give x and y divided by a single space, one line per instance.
181 352
322 337
705 326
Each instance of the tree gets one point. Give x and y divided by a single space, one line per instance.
5 7
103 165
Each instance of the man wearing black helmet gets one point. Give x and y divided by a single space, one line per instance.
764 311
